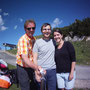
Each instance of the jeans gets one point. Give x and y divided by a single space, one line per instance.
50 79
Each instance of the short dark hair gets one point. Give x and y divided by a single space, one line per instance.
58 30
29 21
44 25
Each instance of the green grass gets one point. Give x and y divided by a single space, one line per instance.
11 66
13 51
81 89
40 36
82 52
13 87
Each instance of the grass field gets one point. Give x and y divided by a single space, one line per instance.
82 52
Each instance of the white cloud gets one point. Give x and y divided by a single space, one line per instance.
1 20
15 27
20 19
5 14
56 22
0 10
2 27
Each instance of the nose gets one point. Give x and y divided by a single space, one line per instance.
32 29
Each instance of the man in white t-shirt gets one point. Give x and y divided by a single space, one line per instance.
43 53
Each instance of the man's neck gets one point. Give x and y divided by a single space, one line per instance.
29 36
46 38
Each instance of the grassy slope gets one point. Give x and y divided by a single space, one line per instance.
82 52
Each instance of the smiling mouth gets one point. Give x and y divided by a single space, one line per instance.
57 39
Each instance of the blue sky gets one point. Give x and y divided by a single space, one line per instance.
59 13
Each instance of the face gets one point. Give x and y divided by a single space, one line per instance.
30 29
46 31
57 37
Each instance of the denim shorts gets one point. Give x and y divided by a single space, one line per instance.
64 82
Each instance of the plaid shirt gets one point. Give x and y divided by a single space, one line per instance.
24 46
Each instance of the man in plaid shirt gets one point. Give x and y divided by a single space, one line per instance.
24 56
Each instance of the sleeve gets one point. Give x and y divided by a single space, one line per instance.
71 51
35 47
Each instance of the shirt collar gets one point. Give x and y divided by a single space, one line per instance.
28 37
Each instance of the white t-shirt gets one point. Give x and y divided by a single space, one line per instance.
46 51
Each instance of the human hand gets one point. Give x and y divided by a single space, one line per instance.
41 70
38 76
71 76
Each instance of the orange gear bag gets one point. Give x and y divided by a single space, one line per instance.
4 81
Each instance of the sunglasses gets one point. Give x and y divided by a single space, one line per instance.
30 28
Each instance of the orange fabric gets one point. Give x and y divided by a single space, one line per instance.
24 46
4 82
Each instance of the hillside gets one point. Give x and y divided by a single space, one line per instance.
82 52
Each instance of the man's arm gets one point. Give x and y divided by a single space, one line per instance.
28 62
37 74
35 55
